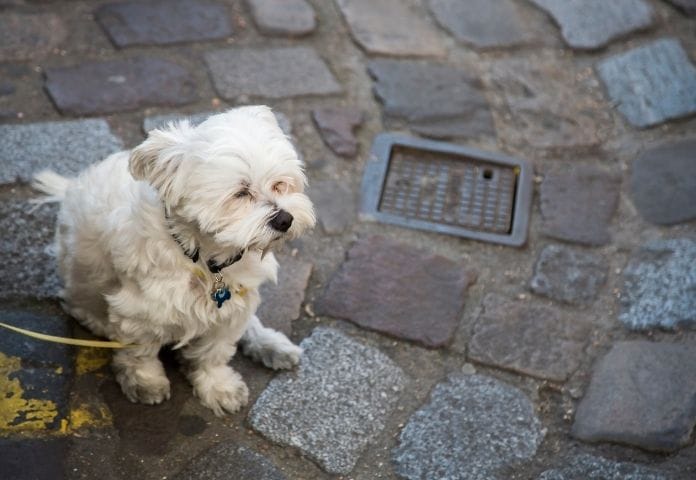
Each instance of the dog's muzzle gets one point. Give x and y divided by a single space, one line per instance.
281 221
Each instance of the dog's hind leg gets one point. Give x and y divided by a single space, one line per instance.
268 346
141 374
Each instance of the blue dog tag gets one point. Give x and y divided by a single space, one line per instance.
220 295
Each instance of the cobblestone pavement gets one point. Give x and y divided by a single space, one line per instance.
427 356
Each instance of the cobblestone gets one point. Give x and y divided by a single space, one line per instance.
686 6
29 36
641 394
652 83
336 403
283 17
335 203
336 127
588 467
400 290
224 461
472 427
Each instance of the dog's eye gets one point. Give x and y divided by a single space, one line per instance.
244 193
281 187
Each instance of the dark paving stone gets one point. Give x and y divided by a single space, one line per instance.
686 6
191 425
528 338
578 202
334 405
94 88
569 275
33 459
6 88
482 23
472 427
65 147
663 186
660 286
434 99
335 203
227 461
391 27
591 24
548 103
164 22
270 72
588 467
283 17
399 290
336 127
652 83
282 303
29 36
28 269
642 394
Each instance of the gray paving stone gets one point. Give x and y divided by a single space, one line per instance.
391 27
529 338
66 147
283 17
28 269
547 102
29 36
158 121
686 6
434 99
336 205
334 406
659 289
591 24
164 22
6 88
226 461
588 467
336 127
482 23
569 275
94 88
578 202
270 72
652 83
642 394
399 290
282 303
663 186
472 427
50 455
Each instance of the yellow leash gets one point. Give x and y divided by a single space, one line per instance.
67 341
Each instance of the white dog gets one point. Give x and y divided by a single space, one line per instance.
167 244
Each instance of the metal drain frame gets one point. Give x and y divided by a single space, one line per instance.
377 168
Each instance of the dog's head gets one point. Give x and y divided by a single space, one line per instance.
236 177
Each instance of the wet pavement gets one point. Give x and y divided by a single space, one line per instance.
427 356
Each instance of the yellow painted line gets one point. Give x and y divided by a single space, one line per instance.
89 360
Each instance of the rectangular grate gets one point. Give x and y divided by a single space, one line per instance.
447 188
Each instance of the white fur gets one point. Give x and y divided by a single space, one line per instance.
127 279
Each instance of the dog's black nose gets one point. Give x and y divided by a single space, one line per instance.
281 221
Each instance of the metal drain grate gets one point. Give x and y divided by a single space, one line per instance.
447 188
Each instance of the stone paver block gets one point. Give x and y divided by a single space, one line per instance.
29 36
94 88
28 269
569 275
577 204
663 186
548 103
686 6
282 303
652 83
399 290
588 467
529 338
283 17
65 147
472 427
641 394
35 459
336 127
391 27
482 23
270 72
335 404
336 204
434 99
591 24
159 121
164 22
659 287
227 461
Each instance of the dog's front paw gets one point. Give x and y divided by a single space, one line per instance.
150 391
221 389
278 356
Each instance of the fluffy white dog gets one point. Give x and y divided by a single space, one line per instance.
167 244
